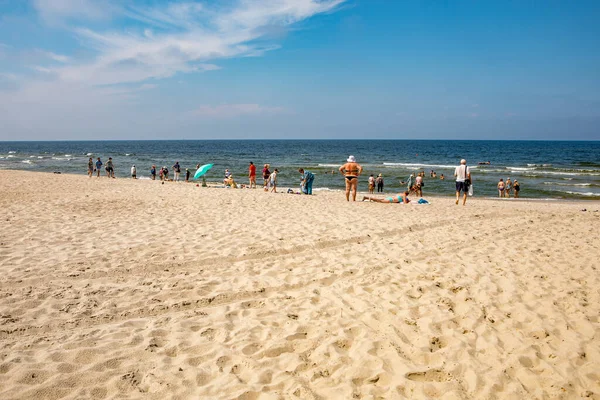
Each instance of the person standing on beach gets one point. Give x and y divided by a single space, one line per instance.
98 167
307 181
379 182
110 168
371 184
273 179
463 180
419 186
187 174
90 167
508 188
252 175
133 172
266 174
410 182
153 172
351 170
176 171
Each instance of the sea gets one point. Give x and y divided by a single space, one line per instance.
545 169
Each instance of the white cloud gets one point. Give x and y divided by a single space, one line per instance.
56 11
158 40
188 34
234 110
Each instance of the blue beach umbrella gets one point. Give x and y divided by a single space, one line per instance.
202 170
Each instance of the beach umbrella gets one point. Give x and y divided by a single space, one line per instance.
202 170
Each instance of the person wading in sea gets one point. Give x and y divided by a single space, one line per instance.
351 170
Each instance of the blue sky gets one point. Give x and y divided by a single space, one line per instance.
388 69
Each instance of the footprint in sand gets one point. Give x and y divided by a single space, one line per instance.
432 375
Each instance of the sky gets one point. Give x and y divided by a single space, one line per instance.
299 69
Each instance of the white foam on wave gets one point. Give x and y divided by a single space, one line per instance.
539 165
329 165
567 184
520 169
11 156
587 194
62 158
27 161
68 155
12 152
89 154
420 166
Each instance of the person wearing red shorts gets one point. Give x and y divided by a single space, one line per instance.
252 175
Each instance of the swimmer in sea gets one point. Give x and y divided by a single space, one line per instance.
351 170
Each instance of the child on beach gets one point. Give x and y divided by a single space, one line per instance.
273 179
371 184
133 172
187 175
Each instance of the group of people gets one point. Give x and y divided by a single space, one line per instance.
97 167
506 188
351 171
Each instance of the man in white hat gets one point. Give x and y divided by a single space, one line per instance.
463 180
351 170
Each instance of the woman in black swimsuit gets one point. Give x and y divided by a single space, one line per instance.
351 170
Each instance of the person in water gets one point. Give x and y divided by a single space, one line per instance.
501 187
517 187
399 198
351 170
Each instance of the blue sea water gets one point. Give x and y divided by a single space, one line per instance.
545 169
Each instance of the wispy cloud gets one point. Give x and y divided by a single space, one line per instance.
234 110
179 37
56 11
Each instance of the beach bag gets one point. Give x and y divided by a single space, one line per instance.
470 190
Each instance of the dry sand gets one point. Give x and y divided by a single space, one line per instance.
133 289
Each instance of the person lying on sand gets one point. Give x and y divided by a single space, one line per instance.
399 198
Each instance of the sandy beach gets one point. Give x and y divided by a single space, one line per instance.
133 289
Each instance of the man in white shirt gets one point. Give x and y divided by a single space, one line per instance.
463 180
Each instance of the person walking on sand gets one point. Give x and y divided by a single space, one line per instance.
176 171
307 181
351 171
517 187
463 180
371 184
501 188
98 167
133 172
252 175
90 167
379 182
